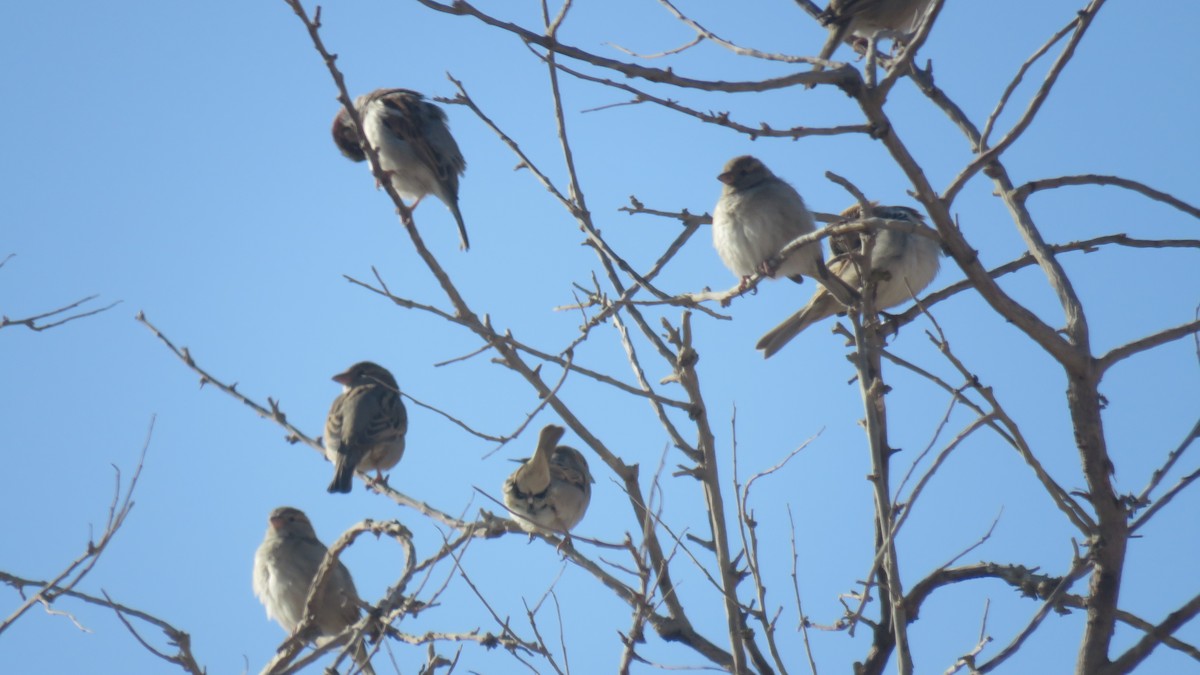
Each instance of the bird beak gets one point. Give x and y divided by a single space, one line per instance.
342 378
276 523
726 178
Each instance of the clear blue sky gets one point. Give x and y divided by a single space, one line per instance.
176 157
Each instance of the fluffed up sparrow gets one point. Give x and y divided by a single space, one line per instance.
414 143
757 215
551 490
902 265
365 428
284 568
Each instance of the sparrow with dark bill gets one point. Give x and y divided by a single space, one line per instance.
365 428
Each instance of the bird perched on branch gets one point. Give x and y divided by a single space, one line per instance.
366 424
414 143
285 566
902 264
869 19
551 490
757 215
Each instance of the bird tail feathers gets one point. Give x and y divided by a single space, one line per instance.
343 476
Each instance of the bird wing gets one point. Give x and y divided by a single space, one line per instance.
372 414
569 466
422 125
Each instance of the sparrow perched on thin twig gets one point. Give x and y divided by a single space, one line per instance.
902 264
869 19
366 424
552 489
757 215
414 143
285 566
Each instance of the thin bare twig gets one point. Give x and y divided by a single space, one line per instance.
118 511
1094 179
32 322
175 637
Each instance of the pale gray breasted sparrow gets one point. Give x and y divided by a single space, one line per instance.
414 143
757 215
285 566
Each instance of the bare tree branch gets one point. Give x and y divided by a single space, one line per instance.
118 510
1033 186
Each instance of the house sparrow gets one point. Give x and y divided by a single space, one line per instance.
284 568
869 19
552 489
902 263
366 424
756 216
414 144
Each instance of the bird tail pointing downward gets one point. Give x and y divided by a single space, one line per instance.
464 244
343 476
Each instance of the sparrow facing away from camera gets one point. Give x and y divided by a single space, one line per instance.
366 424
414 143
285 565
757 215
902 264
869 19
551 490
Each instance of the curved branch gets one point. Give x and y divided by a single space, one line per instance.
1097 179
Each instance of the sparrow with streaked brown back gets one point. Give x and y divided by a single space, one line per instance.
551 490
902 264
414 144
365 428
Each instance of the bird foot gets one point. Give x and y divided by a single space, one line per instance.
745 284
890 323
565 546
386 174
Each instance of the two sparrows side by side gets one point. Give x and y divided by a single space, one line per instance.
758 214
365 428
